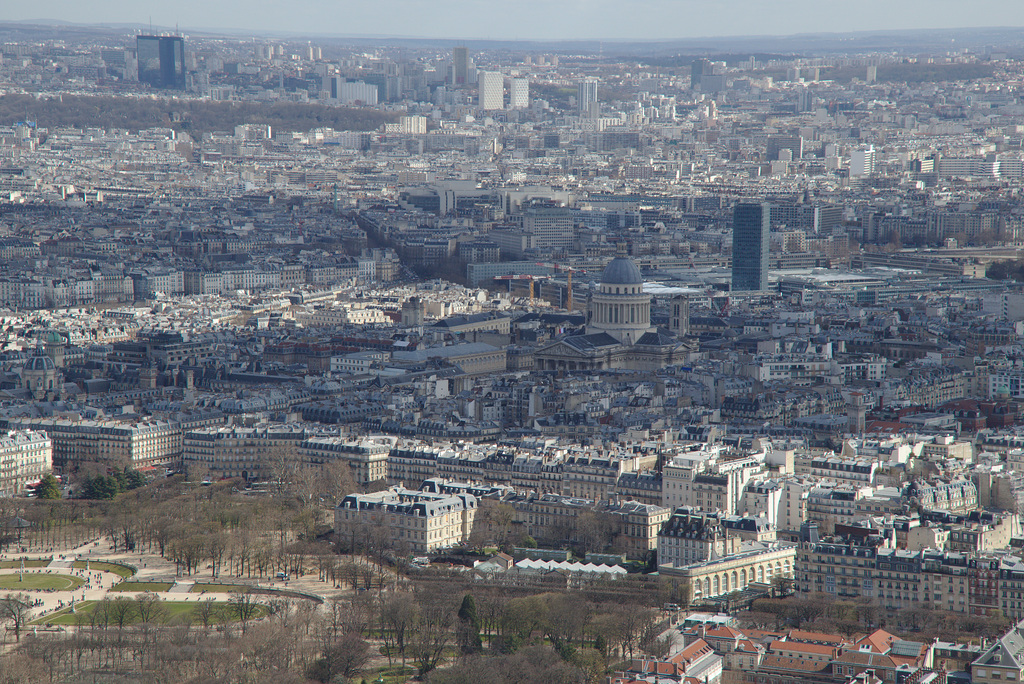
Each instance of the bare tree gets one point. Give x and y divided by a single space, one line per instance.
188 551
635 623
122 611
595 530
335 482
149 608
205 610
567 616
652 643
16 609
432 631
397 616
342 659
216 547
499 519
244 605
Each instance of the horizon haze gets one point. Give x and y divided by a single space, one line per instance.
653 20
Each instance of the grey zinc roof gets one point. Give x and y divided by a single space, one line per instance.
593 341
1006 651
454 350
621 271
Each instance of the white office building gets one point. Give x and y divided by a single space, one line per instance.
519 94
492 90
862 162
357 92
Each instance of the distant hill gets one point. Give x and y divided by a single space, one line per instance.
193 117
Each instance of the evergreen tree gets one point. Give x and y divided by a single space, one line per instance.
49 488
467 611
469 626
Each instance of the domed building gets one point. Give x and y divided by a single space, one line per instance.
619 333
55 343
40 376
619 307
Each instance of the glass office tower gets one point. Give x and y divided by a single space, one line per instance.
750 231
162 61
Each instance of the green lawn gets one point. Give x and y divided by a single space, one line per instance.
104 566
173 612
393 675
141 586
39 580
35 563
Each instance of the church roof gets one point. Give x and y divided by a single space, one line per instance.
656 339
556 318
621 271
584 342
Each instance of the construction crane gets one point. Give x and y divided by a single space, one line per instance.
569 270
530 278
719 304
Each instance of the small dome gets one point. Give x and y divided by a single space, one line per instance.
621 271
53 337
40 362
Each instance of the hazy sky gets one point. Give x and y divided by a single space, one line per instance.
535 19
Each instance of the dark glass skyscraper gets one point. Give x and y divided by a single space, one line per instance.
698 69
460 65
750 229
162 61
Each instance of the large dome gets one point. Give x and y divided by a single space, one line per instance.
621 271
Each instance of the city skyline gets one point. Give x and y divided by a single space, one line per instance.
649 20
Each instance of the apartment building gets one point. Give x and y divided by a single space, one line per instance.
632 527
596 477
861 564
367 458
25 457
259 453
959 495
712 485
853 471
138 444
415 520
638 525
691 536
830 504
697 662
